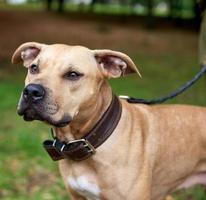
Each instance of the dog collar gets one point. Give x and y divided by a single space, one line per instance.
85 147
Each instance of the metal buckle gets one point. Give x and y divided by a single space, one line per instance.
58 145
86 144
54 142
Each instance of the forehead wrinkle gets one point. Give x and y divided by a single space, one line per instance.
82 59
64 57
55 51
55 60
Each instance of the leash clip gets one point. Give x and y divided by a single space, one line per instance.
124 97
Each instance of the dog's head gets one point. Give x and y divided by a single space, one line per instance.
62 79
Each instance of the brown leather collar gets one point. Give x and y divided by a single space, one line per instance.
84 147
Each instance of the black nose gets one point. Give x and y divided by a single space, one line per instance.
33 92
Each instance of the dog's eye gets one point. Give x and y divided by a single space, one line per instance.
73 76
34 69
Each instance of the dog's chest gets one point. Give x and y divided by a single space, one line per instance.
84 187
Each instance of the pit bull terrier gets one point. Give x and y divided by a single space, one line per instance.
107 148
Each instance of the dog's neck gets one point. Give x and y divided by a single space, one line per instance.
88 116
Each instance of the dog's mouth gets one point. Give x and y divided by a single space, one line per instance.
32 113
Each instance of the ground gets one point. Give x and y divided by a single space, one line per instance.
165 56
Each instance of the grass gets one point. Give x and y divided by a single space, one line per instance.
25 169
186 12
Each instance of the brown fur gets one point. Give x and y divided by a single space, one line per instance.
153 151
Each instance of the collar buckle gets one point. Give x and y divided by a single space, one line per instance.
85 143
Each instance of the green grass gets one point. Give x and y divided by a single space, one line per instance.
25 169
186 12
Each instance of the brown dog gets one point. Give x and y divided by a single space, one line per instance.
152 151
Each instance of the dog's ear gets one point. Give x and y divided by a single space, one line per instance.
27 52
114 64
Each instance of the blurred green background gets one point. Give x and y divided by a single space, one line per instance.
162 41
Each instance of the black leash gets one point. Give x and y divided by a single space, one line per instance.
169 96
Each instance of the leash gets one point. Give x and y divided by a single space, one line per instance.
162 99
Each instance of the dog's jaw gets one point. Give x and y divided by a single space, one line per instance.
43 113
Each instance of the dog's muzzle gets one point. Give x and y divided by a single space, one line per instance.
31 97
35 104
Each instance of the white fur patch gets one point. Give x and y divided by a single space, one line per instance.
82 186
194 180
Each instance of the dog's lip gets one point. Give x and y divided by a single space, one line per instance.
47 120
62 124
65 121
28 118
30 115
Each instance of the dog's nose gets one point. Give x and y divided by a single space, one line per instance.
33 92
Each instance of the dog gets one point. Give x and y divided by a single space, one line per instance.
146 152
